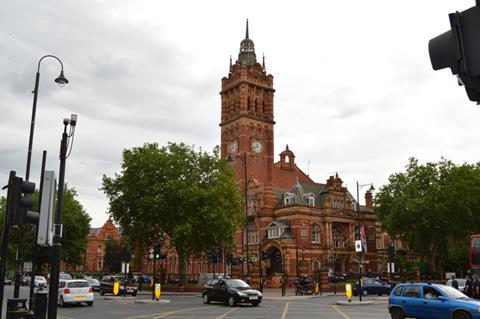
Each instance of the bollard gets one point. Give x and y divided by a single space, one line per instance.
40 304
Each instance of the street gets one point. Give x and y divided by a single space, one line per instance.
191 306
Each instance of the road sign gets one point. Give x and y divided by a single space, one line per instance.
116 288
358 246
348 291
151 251
150 256
158 291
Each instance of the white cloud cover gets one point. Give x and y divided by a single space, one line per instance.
355 92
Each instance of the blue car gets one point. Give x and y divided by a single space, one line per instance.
431 301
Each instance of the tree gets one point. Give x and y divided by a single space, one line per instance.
191 197
76 226
430 206
111 260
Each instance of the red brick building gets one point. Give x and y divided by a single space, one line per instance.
96 245
300 226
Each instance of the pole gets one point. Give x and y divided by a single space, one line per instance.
360 254
246 214
35 247
260 267
57 246
153 278
4 252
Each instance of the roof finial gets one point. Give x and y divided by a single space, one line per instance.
230 61
263 62
246 33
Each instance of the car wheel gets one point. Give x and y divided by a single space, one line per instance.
364 293
461 315
134 294
102 292
61 303
397 313
90 303
231 301
206 299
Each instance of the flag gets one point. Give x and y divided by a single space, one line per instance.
363 237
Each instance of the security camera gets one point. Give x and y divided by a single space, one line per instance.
73 119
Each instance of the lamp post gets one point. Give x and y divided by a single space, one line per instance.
60 80
358 238
244 235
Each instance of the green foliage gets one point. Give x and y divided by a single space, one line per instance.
189 196
431 206
111 260
76 226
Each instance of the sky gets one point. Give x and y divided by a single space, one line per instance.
355 90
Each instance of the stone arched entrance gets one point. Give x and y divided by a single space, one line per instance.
273 261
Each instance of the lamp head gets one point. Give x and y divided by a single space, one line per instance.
229 158
372 188
61 80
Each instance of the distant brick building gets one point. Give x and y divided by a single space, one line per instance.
96 245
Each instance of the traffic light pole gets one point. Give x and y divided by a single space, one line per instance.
154 276
4 252
57 246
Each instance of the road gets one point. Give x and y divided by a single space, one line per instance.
192 307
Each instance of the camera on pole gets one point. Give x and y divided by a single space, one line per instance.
459 50
20 195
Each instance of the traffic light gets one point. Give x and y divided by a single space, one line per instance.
156 252
459 50
126 255
20 201
391 253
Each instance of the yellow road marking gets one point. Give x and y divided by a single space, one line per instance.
340 312
227 313
162 314
285 311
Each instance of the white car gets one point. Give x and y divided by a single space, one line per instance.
40 281
74 292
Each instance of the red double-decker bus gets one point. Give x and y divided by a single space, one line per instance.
475 254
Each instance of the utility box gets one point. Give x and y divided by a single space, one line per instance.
16 308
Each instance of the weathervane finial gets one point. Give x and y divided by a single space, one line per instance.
246 33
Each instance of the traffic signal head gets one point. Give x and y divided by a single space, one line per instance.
20 201
459 50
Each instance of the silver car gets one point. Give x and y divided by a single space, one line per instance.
461 283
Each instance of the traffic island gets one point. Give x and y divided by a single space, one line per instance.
354 303
116 298
150 301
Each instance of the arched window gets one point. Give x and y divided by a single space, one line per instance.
316 266
315 234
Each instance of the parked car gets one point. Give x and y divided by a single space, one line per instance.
371 286
25 280
74 291
429 301
40 281
231 291
106 286
65 276
7 281
94 283
461 283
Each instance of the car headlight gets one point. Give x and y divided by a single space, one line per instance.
241 294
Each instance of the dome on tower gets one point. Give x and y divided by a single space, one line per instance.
247 51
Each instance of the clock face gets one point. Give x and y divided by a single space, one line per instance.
257 146
233 146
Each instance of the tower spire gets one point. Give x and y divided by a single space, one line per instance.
246 33
263 62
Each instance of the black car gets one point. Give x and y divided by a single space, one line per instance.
372 286
94 283
106 286
231 292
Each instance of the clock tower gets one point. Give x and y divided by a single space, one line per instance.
247 116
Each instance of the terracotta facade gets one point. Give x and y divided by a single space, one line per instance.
96 245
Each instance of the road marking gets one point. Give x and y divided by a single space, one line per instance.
227 313
340 312
285 311
162 314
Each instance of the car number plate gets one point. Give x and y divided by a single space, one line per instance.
253 298
79 297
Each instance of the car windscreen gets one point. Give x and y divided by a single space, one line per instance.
237 284
450 292
78 284
93 281
39 278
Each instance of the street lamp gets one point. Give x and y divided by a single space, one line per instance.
358 238
230 159
61 80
